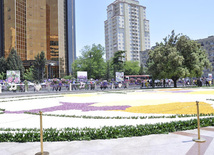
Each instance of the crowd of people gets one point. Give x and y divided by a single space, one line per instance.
58 84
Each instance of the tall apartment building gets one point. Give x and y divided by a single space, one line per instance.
208 45
126 29
32 26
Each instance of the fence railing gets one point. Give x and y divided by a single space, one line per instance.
84 86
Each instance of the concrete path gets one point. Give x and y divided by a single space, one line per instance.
178 143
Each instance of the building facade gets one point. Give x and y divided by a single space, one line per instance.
144 55
208 45
33 26
126 29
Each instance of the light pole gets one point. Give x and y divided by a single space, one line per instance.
90 56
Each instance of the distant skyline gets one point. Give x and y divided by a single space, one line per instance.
193 18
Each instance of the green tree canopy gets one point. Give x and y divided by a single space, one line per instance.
142 70
28 75
131 68
109 70
39 66
14 62
118 62
91 61
177 57
3 65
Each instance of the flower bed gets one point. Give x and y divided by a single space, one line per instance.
78 134
71 106
172 108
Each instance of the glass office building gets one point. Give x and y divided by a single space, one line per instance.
32 26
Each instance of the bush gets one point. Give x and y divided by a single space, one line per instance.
68 77
2 76
71 134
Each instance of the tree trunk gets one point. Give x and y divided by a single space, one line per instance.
153 83
191 81
164 83
114 73
175 82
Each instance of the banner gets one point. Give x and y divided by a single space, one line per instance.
13 76
82 76
119 76
210 76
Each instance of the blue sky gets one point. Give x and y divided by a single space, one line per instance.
194 18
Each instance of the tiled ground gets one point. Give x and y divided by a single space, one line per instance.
179 143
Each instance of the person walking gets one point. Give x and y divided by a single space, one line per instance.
74 85
60 85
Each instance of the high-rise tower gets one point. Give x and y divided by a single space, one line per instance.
32 26
126 29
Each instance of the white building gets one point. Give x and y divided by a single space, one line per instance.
126 29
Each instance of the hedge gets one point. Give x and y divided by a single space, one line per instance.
78 134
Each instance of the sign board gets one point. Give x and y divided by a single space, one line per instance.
210 76
119 76
82 76
13 76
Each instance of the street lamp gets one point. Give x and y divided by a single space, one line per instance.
90 56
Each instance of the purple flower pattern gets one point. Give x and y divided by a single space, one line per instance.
181 91
71 106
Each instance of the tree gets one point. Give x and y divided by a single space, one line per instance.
39 66
154 63
14 62
3 65
91 61
76 66
176 58
109 70
131 68
118 62
28 75
141 71
195 57
98 64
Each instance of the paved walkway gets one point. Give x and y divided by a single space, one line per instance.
178 143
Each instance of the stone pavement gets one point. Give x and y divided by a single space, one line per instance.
178 143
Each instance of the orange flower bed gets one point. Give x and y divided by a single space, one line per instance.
173 108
